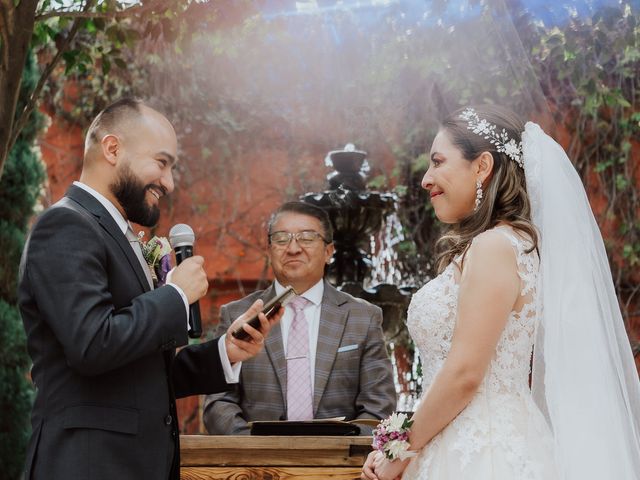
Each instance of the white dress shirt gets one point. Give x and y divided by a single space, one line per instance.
231 373
312 314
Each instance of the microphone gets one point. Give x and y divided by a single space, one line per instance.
181 238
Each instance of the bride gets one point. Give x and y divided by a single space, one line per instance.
524 288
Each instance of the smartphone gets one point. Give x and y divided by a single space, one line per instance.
269 310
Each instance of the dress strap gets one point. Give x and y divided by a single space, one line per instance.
527 262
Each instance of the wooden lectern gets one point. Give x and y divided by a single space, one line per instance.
213 457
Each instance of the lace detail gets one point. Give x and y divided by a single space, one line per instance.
532 168
494 418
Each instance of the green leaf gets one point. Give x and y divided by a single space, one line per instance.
378 182
621 182
90 26
106 65
401 190
421 164
602 166
623 102
70 58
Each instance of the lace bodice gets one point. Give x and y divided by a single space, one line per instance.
503 402
432 317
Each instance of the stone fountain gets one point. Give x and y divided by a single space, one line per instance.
357 216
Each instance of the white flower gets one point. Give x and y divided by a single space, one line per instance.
399 449
512 149
483 126
395 447
396 421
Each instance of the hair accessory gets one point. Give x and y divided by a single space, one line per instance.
501 140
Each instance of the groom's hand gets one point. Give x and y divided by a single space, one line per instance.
240 350
191 278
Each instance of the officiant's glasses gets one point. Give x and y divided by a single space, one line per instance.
306 238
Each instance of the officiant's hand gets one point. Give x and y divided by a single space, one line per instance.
240 350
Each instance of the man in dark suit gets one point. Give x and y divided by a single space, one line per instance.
346 370
101 338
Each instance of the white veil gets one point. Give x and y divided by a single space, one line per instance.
584 376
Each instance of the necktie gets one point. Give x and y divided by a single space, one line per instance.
299 395
137 249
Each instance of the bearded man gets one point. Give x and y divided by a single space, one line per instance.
101 337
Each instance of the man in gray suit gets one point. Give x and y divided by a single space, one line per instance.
346 370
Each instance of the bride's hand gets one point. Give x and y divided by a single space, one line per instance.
385 469
367 468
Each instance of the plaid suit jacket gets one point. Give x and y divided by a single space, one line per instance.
354 382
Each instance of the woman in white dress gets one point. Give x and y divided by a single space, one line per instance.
523 266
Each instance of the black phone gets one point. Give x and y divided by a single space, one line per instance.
270 309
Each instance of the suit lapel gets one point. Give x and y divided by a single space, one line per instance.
274 347
333 319
106 221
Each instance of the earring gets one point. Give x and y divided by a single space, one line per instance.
478 195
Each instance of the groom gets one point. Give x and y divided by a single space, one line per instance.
101 338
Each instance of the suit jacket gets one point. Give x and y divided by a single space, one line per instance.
103 351
353 376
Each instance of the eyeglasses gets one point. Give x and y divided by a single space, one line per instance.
306 238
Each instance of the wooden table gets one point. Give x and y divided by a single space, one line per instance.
272 458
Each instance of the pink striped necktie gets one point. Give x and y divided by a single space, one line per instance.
299 395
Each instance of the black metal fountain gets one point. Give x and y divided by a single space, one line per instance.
357 216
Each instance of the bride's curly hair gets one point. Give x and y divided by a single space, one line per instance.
505 196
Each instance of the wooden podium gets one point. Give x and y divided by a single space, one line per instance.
213 457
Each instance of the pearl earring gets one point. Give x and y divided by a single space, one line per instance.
478 195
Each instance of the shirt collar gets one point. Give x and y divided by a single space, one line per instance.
314 294
106 203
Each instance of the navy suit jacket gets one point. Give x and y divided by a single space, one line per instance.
103 351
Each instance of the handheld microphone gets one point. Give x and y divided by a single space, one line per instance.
181 238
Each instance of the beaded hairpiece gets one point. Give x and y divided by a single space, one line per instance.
501 140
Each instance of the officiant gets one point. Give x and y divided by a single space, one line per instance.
326 358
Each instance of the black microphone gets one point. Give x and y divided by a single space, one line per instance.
181 238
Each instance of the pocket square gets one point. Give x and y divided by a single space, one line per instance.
348 348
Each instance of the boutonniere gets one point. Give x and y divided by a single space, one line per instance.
157 253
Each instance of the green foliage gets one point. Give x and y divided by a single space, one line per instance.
11 245
15 394
19 190
591 72
21 183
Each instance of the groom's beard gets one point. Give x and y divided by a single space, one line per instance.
131 194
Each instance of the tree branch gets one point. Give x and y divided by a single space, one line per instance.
127 12
22 120
4 31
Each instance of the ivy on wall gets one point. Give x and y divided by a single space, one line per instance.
591 75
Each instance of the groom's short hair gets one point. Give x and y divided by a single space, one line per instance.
110 117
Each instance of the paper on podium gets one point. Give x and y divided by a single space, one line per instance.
317 427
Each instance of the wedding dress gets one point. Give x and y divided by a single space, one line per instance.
501 434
